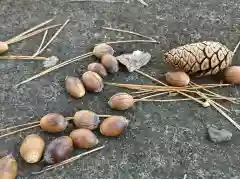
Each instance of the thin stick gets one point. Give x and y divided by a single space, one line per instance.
12 57
54 36
55 67
154 79
20 130
33 33
21 125
130 41
68 160
42 42
129 32
30 30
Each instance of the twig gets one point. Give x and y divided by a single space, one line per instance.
42 42
29 30
68 160
129 32
55 35
131 41
56 67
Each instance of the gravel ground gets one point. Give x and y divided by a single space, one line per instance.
163 141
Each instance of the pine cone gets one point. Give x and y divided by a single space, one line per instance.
200 59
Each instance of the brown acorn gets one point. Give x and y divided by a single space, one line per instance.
121 101
102 49
177 78
8 167
110 63
232 74
53 123
32 147
86 119
84 138
58 150
97 68
74 86
92 81
3 47
113 126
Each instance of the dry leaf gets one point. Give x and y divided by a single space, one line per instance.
51 61
134 61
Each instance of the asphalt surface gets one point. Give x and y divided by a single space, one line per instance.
164 140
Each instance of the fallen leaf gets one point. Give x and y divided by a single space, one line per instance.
51 61
134 61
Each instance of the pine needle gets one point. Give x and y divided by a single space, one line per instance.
20 130
42 42
130 41
32 34
154 79
21 125
222 112
55 68
13 57
29 30
129 32
143 2
54 36
68 160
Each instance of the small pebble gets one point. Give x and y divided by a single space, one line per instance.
219 135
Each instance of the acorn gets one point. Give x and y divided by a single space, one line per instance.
3 47
110 63
32 147
232 74
53 123
121 101
114 126
86 119
97 68
92 81
58 150
8 167
177 78
84 138
74 86
102 49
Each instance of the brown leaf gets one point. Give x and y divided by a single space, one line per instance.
134 61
